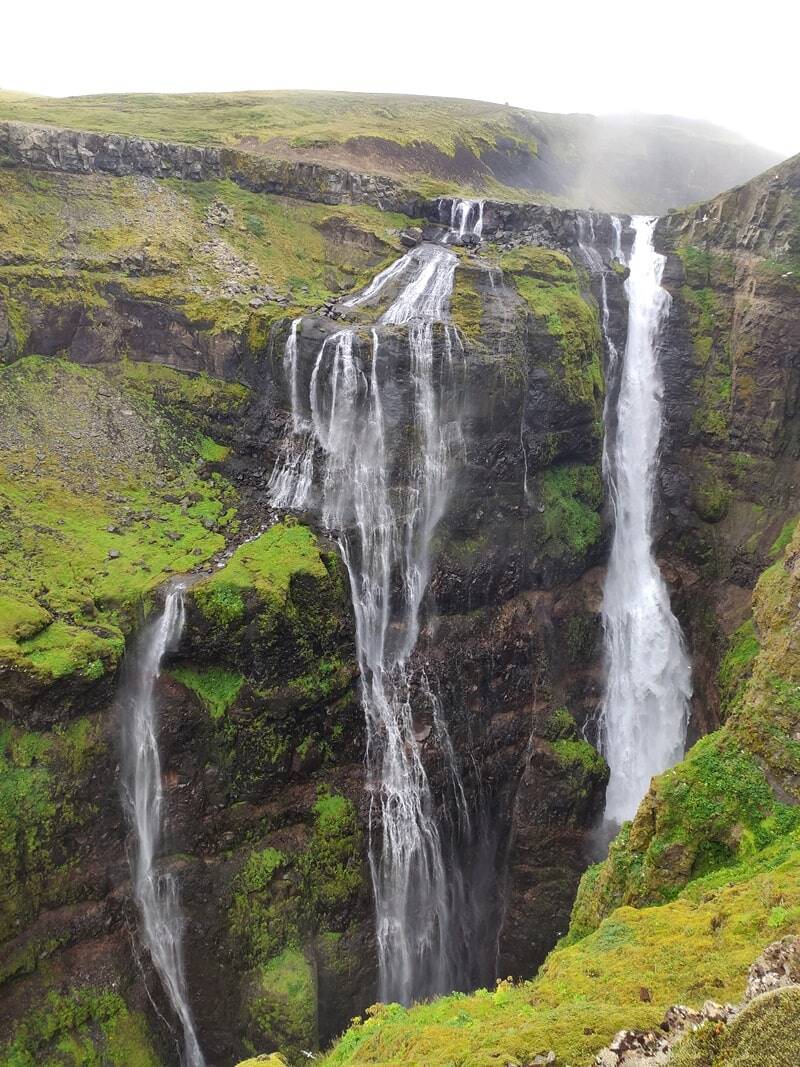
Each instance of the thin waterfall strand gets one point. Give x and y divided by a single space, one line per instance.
156 892
645 709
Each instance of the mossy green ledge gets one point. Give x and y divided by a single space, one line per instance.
269 653
106 489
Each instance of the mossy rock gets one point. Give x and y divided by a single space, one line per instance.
548 282
43 776
276 612
104 493
765 1034
83 1027
571 496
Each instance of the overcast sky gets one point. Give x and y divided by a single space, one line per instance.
707 59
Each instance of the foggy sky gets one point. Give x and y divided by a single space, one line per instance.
720 61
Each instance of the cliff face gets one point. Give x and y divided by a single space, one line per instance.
730 357
146 295
145 400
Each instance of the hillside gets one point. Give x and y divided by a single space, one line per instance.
186 324
616 163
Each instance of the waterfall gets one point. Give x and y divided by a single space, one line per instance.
385 525
645 709
466 217
156 892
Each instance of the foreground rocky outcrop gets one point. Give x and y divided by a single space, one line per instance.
765 1027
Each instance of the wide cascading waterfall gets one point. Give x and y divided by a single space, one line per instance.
156 891
645 709
385 527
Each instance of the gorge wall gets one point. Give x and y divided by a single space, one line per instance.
145 401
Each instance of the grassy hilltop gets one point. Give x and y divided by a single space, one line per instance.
440 145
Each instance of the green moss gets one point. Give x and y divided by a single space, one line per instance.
283 1003
263 567
572 495
41 780
82 1028
210 451
696 265
710 324
784 537
765 1034
281 899
580 755
331 865
697 947
466 306
712 498
549 284
217 688
560 726
94 520
737 664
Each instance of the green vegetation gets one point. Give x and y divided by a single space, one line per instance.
283 903
466 306
263 568
561 726
303 119
82 1028
216 687
580 755
283 1004
103 495
737 664
766 1033
710 318
711 498
211 250
549 284
280 899
697 947
784 537
572 495
41 778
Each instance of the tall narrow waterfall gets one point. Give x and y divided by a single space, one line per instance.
156 891
385 514
649 680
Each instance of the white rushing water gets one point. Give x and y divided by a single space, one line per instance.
385 525
466 216
156 892
645 710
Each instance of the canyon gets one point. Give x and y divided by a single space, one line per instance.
383 432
